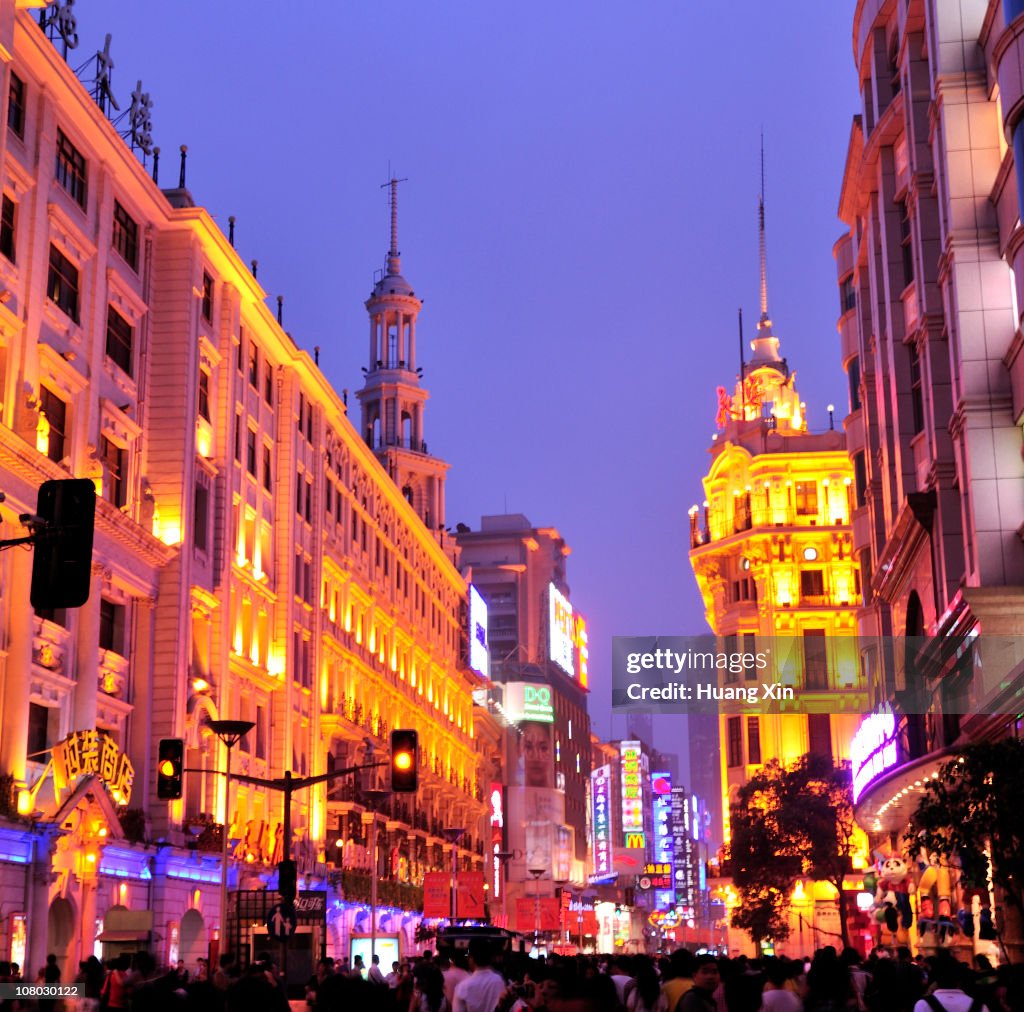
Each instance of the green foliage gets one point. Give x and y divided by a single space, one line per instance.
976 802
787 824
355 886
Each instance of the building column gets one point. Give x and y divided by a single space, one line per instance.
88 656
38 873
17 669
412 343
138 748
373 341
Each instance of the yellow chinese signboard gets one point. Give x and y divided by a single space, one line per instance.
91 752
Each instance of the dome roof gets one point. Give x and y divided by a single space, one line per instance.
392 284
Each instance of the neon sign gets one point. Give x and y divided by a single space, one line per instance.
873 749
601 789
560 630
479 657
91 752
632 761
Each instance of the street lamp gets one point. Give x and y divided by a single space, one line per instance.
504 856
230 733
373 794
536 873
560 884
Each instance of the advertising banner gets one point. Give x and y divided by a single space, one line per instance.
437 894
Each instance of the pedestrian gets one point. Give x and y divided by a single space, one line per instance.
480 991
776 996
49 974
645 995
451 971
948 994
706 978
678 978
428 994
375 975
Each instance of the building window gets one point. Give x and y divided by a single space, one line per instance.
250 452
254 367
819 734
201 523
268 384
119 340
734 742
56 412
753 741
749 649
114 485
815 659
866 571
62 283
126 236
847 294
906 243
70 169
238 437
16 106
267 473
860 479
7 211
207 306
204 394
261 732
112 626
42 731
916 393
853 378
806 498
308 512
812 583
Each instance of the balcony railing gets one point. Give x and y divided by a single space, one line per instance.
720 526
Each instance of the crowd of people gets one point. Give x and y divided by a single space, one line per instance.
482 980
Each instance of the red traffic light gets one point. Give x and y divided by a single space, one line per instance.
404 761
170 768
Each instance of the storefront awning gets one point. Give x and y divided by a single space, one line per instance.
123 936
887 803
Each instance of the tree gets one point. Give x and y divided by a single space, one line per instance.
972 810
790 823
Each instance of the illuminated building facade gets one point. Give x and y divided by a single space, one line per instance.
930 276
538 648
772 552
253 560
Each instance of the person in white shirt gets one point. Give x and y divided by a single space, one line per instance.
392 978
480 991
947 995
453 974
375 975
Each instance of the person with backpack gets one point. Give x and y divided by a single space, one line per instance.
947 994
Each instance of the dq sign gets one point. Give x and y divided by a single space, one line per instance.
529 701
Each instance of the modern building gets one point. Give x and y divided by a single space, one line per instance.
772 552
538 648
930 278
253 560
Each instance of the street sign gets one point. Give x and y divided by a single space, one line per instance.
281 922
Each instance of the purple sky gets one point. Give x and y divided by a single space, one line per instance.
579 217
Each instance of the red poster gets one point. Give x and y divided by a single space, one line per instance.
437 894
469 894
528 910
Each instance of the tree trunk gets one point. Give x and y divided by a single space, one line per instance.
844 928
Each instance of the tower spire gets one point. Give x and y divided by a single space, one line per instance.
394 261
765 344
762 246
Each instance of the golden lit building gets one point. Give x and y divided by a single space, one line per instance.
253 561
771 551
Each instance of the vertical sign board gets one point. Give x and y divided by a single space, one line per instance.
683 852
601 788
560 630
664 853
633 762
497 836
479 656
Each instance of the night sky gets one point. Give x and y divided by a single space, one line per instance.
580 219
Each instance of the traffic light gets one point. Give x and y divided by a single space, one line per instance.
287 881
62 561
404 759
170 767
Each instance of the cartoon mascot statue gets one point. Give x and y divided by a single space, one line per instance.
892 900
935 894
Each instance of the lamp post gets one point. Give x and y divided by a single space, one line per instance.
230 733
536 873
831 418
374 794
453 835
560 885
504 856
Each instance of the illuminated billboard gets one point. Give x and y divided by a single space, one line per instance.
633 763
601 788
579 639
479 656
529 701
664 850
873 749
560 630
